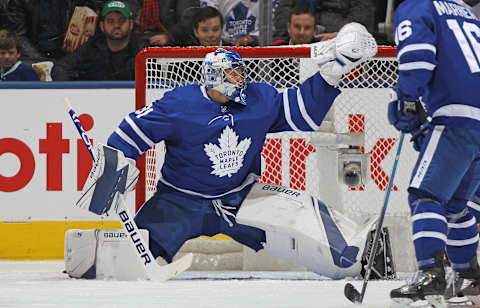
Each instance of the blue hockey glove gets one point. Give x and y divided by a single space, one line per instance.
403 115
418 135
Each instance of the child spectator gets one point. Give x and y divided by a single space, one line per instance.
11 68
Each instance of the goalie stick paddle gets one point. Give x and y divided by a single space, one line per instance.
350 292
152 269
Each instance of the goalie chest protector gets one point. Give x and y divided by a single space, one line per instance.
102 254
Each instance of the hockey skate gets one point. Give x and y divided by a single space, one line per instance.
425 290
463 288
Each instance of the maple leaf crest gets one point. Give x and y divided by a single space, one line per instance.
240 22
227 156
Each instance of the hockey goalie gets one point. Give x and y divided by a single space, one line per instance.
214 134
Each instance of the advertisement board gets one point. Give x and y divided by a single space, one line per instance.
44 164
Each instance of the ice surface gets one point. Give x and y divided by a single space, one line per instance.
42 284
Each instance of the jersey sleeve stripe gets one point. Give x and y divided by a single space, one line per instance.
304 112
416 66
286 109
127 139
457 110
416 47
139 132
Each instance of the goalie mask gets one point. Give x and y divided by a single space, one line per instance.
224 71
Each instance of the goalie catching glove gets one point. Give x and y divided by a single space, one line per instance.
111 176
352 46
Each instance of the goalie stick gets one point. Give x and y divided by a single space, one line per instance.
153 271
350 292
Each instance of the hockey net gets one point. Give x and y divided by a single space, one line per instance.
291 159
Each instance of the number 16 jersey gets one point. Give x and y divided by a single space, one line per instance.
438 48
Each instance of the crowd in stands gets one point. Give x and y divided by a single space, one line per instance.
36 31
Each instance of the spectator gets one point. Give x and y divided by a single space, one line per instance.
300 27
109 55
167 22
241 20
41 25
11 68
207 27
331 15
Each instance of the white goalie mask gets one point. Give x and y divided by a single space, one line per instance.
224 70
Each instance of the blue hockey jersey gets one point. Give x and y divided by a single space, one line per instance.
19 72
438 48
214 149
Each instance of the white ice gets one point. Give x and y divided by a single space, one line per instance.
42 284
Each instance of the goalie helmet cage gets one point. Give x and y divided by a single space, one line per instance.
290 159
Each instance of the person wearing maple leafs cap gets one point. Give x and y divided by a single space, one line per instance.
214 134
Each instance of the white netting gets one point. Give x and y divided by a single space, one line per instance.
290 159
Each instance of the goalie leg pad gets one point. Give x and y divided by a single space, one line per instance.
300 227
80 251
101 254
112 174
281 245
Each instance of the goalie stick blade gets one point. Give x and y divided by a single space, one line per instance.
179 266
352 294
162 273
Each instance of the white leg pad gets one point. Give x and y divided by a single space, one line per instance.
300 227
281 245
101 254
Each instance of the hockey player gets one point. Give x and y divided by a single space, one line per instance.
214 134
439 60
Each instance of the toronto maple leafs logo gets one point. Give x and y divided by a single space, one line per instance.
227 156
239 23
